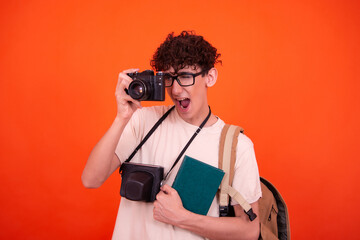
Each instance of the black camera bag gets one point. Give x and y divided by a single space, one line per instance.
141 181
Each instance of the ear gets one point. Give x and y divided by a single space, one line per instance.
211 77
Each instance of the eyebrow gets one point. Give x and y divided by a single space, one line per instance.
184 73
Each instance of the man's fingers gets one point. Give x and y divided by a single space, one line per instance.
159 195
137 104
131 70
126 99
124 79
167 189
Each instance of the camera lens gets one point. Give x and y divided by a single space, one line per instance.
138 90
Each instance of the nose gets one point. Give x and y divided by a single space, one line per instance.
176 88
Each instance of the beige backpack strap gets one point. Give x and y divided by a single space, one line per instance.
227 158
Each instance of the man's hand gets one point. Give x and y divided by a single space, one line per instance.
168 207
126 105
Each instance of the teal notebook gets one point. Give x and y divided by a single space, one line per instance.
197 183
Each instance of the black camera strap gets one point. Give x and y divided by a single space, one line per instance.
157 125
189 142
152 130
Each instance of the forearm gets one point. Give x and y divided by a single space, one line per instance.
223 228
101 162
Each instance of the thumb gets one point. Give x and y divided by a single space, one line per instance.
167 189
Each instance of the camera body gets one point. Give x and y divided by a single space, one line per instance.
146 86
140 182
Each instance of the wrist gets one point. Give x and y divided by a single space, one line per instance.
119 124
185 219
120 118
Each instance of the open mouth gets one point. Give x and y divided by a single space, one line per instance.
184 103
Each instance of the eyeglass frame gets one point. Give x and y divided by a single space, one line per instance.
194 75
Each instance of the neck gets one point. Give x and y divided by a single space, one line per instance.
199 118
212 120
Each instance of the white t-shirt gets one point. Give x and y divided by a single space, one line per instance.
135 219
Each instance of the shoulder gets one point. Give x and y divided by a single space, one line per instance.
245 141
244 147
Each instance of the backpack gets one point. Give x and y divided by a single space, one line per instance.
273 213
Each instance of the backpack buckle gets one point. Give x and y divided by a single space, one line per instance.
251 214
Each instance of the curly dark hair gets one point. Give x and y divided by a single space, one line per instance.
186 49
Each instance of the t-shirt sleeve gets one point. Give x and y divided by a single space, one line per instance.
246 178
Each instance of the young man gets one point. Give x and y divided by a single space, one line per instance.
190 60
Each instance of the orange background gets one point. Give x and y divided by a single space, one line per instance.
290 77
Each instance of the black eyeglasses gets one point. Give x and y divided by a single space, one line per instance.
184 79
